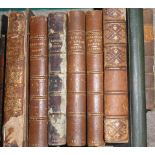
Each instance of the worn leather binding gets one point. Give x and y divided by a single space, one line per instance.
38 114
16 82
149 58
57 78
76 79
94 46
115 76
2 71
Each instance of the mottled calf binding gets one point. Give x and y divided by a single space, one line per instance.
57 79
94 48
38 114
149 58
16 82
115 76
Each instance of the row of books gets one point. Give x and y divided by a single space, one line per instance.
66 78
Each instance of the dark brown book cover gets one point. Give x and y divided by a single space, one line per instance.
38 113
2 72
94 48
57 68
16 82
76 79
115 76
149 58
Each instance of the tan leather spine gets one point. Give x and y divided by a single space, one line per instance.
57 98
38 113
16 82
76 79
149 58
94 47
115 76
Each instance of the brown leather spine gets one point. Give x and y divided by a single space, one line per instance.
2 71
57 79
115 76
76 79
16 84
94 46
149 58
38 113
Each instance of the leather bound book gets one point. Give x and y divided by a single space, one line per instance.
115 76
38 114
76 79
149 58
94 47
57 79
2 71
16 82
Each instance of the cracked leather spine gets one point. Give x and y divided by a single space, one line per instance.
57 98
16 82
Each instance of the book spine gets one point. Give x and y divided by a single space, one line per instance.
137 78
115 76
94 46
149 58
16 84
2 71
76 79
38 113
57 79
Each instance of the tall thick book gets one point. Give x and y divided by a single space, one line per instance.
138 136
76 79
57 93
149 58
16 81
94 47
38 113
2 72
115 76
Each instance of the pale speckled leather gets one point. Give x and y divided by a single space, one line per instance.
57 83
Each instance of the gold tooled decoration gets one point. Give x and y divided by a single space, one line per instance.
116 130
